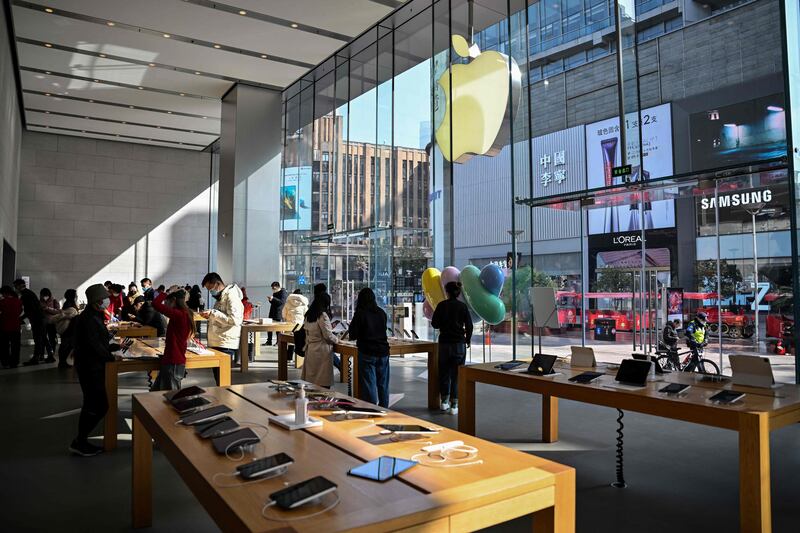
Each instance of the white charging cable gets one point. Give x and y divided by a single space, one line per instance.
248 447
295 518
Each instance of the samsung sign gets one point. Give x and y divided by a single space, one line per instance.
742 199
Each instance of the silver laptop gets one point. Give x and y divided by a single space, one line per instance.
582 357
752 371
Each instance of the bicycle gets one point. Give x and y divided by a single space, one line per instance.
673 361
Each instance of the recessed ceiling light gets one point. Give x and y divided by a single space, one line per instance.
217 46
151 64
48 45
141 88
131 106
102 55
169 112
47 72
109 23
294 25
263 56
87 118
47 112
205 117
97 81
196 72
183 94
91 101
47 94
167 35
48 9
242 12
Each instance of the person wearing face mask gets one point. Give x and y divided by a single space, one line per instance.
92 349
172 304
225 319
51 310
147 289
146 315
117 301
32 310
276 303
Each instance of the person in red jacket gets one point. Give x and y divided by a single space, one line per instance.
10 312
172 304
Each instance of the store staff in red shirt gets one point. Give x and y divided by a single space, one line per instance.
172 304
10 312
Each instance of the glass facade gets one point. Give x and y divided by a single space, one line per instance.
640 187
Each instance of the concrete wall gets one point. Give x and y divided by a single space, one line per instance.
92 210
10 140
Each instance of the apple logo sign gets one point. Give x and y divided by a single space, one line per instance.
475 106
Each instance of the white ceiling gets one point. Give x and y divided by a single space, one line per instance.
109 72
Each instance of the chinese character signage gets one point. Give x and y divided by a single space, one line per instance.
559 163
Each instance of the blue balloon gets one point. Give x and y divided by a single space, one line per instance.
492 279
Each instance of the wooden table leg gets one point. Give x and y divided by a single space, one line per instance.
433 378
256 344
549 418
243 358
466 402
561 517
283 364
142 493
755 509
110 422
224 371
345 373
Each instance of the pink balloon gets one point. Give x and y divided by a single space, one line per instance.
449 274
427 310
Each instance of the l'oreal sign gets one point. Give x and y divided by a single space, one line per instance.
627 240
742 199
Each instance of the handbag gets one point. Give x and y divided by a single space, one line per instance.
300 342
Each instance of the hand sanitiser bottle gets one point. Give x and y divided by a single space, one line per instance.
301 407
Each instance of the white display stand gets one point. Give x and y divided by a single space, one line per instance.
288 421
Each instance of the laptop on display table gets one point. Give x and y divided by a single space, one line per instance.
632 375
582 356
542 364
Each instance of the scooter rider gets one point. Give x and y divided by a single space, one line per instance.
696 338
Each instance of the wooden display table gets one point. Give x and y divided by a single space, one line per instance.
508 484
146 364
349 353
256 330
761 411
131 330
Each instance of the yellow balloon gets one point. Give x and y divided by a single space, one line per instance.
432 286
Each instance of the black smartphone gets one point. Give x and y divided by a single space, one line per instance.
408 429
382 468
303 492
188 404
233 441
219 428
359 410
188 392
727 396
206 415
264 466
674 388
586 377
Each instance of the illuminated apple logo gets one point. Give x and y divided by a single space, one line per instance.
474 109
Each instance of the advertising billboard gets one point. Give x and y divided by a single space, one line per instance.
296 199
604 152
754 130
559 162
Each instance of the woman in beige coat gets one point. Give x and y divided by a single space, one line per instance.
318 366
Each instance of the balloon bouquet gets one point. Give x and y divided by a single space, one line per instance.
480 291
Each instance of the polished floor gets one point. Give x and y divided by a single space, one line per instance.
681 477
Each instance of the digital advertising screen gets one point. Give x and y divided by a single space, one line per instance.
296 199
753 130
604 152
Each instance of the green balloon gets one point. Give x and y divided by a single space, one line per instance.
488 306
